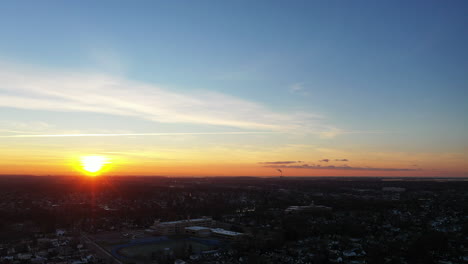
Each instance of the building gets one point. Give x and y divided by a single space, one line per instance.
306 208
198 231
178 227
226 234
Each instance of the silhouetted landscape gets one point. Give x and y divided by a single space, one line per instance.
281 220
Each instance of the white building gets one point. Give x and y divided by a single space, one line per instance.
178 227
306 208
226 234
200 231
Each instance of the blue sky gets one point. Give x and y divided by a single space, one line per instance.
390 75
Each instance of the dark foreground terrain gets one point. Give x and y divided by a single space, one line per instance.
342 220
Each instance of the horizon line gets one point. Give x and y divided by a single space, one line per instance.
238 176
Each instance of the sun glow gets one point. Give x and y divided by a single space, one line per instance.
93 165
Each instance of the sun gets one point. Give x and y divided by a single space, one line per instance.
93 165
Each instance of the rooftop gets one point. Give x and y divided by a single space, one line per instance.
196 228
225 232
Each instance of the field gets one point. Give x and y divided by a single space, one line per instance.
144 251
147 248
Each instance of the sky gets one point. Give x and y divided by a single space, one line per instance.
235 88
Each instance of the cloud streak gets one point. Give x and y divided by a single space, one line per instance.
35 89
280 162
298 88
133 134
318 167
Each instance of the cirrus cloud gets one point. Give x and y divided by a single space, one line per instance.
37 89
331 167
280 162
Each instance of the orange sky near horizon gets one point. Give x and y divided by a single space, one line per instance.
199 156
207 156
119 166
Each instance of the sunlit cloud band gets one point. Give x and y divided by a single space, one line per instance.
134 134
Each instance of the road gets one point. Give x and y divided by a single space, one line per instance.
100 250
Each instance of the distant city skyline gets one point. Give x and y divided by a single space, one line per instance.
322 88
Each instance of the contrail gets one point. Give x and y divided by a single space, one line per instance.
136 134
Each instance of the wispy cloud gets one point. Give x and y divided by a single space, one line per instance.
24 127
318 167
328 160
298 88
332 132
280 162
31 88
134 134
